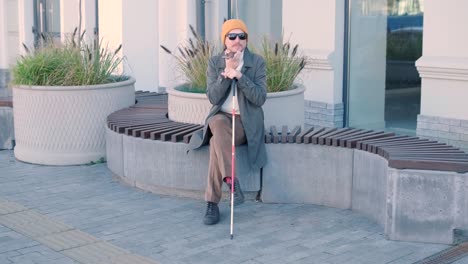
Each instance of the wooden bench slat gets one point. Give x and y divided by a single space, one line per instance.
154 135
460 167
167 136
274 134
120 128
322 140
179 136
402 144
342 141
300 136
315 138
363 144
146 134
140 132
427 155
284 134
129 130
268 137
335 141
422 150
187 137
293 134
308 137
352 142
6 101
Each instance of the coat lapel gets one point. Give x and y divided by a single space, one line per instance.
248 61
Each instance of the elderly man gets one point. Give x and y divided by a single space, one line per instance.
236 62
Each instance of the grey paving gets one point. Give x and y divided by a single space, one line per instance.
86 216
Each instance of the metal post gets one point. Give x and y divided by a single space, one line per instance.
346 54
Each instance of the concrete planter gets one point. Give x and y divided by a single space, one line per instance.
66 125
280 108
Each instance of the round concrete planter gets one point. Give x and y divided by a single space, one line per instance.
66 125
187 107
280 108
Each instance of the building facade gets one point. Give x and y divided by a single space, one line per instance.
395 65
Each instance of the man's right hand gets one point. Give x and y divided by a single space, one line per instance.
232 59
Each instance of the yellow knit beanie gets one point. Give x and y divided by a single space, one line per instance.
230 25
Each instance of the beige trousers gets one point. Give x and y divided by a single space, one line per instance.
220 152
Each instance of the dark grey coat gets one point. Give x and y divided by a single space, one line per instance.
251 96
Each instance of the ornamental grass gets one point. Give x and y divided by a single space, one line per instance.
72 63
283 63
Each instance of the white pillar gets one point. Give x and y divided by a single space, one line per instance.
25 24
444 72
4 74
70 17
135 26
317 26
3 36
175 16
262 17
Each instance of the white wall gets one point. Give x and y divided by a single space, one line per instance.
141 43
175 16
444 64
25 24
12 27
70 17
319 33
445 28
3 35
135 26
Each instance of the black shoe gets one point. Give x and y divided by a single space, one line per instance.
212 214
238 194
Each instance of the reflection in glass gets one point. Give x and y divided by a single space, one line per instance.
383 83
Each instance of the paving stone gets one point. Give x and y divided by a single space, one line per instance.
95 253
7 207
108 222
67 240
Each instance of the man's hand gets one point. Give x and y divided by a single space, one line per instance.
232 60
231 73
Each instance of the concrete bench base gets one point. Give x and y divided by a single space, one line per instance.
410 205
296 173
167 168
6 128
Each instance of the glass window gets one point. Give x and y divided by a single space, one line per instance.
47 18
384 88
263 17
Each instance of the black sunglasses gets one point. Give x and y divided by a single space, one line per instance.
233 36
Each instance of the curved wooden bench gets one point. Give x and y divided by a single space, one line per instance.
414 188
148 119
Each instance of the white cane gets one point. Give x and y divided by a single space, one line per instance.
233 152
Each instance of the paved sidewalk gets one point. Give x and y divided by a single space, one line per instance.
80 214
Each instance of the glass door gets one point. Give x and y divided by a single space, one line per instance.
384 88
